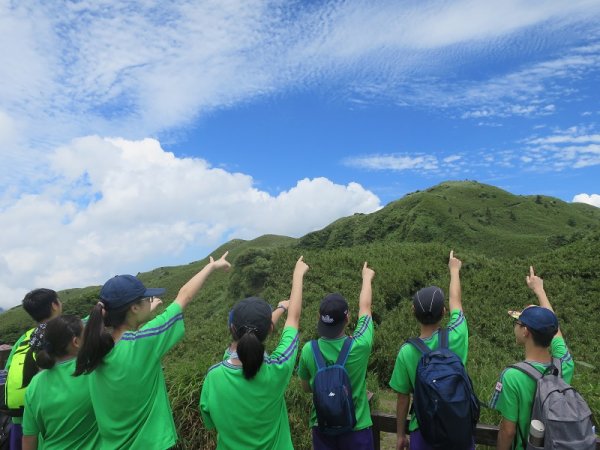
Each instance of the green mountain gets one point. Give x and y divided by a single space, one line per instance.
497 235
467 215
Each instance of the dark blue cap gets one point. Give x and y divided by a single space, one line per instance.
251 314
332 315
538 319
121 290
429 302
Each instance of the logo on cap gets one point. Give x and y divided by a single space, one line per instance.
327 319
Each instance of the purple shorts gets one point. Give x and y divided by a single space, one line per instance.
356 440
16 437
418 443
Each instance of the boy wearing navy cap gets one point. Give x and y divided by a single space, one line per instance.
536 328
333 319
429 309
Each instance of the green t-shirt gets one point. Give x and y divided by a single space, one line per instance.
515 391
405 369
58 408
251 414
128 389
356 366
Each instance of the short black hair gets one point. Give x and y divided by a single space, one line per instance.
38 303
541 339
427 318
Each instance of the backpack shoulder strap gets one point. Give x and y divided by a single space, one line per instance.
443 336
527 369
419 344
344 352
557 365
317 354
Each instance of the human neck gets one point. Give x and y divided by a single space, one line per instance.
428 330
535 353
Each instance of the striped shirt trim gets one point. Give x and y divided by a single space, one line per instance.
286 355
364 327
152 331
496 395
453 326
214 366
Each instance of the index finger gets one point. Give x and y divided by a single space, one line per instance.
451 254
531 273
365 266
225 254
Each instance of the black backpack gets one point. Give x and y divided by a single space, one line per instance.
444 402
332 393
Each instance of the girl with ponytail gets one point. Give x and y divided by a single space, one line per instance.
243 396
121 358
58 407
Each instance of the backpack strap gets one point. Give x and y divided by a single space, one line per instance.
344 352
419 344
318 355
556 363
527 369
443 336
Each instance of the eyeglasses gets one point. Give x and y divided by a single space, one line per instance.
148 299
517 322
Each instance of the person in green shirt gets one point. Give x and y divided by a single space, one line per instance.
429 310
536 329
243 397
334 317
58 407
42 305
123 365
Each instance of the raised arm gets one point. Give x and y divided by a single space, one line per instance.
536 284
454 264
282 307
191 288
295 305
366 292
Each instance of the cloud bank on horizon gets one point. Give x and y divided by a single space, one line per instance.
100 103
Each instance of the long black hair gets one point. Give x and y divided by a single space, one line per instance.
58 334
250 350
250 324
97 340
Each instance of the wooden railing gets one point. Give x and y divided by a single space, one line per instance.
484 434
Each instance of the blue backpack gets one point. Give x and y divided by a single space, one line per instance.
444 402
332 393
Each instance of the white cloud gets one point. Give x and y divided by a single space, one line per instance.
394 162
113 205
590 199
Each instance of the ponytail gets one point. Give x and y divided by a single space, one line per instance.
54 342
97 342
250 350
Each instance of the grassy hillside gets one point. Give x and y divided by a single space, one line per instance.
467 215
561 240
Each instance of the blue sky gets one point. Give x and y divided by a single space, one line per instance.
143 134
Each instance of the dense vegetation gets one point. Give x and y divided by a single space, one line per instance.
496 234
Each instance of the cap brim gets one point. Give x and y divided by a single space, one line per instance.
330 331
154 292
514 314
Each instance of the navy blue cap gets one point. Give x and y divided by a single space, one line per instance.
429 302
332 315
121 290
538 319
251 314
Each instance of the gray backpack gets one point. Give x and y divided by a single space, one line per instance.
563 411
